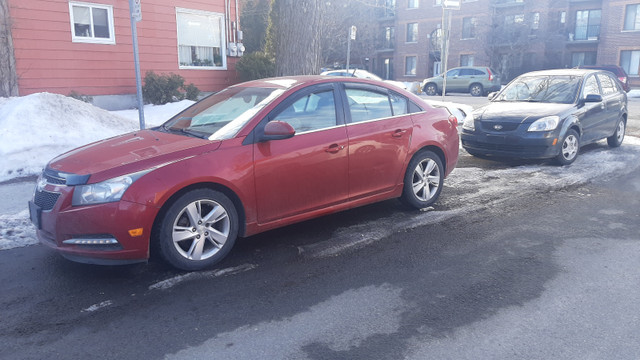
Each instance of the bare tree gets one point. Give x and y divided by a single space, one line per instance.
506 45
8 74
296 30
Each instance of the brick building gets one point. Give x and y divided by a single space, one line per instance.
511 36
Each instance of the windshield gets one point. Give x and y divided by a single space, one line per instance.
222 115
547 89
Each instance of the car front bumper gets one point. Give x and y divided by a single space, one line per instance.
107 234
530 145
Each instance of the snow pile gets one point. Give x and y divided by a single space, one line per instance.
38 127
635 93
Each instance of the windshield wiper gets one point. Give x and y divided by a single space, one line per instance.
190 132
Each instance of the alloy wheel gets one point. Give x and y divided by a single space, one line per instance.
201 229
426 179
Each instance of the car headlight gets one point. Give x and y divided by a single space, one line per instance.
106 191
547 123
469 123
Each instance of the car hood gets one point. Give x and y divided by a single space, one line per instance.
129 153
520 111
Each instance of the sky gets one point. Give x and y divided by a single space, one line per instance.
58 123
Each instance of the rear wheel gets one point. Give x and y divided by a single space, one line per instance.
431 89
569 149
423 180
198 230
615 140
476 90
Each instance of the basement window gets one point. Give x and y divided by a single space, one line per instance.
91 23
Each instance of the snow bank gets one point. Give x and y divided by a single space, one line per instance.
635 93
36 128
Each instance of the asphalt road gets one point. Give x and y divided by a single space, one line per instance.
550 275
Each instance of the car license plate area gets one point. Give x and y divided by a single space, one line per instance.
35 213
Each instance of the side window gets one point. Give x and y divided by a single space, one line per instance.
413 108
314 111
608 86
398 104
478 72
466 72
368 105
590 87
454 72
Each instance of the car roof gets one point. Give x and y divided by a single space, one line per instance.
559 72
289 82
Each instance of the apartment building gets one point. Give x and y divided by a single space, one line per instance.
511 36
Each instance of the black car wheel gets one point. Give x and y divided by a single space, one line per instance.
198 230
423 180
569 149
476 90
615 140
431 89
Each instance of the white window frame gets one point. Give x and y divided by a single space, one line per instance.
223 42
624 21
93 40
416 4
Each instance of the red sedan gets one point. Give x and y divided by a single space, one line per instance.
253 157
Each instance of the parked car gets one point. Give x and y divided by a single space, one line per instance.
362 74
250 158
476 80
549 114
616 70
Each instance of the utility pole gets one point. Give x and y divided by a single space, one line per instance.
447 7
352 36
135 12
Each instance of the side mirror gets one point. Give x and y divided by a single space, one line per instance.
492 95
277 130
593 98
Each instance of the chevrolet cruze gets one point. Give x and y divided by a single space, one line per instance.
250 158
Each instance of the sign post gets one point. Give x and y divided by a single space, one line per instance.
352 36
447 7
135 12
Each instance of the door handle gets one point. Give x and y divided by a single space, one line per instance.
334 148
399 133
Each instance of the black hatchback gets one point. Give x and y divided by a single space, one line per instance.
548 114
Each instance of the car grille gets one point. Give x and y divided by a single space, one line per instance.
506 147
53 177
45 199
505 126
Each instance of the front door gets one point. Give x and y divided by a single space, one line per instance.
309 170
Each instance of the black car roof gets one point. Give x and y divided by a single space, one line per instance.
566 72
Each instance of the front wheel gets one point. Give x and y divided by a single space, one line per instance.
198 230
570 148
476 90
431 89
615 140
423 180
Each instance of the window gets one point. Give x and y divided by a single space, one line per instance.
437 3
412 32
466 60
535 21
200 39
607 84
398 104
367 105
590 87
514 19
630 62
410 65
388 40
587 25
314 111
468 28
91 23
583 58
632 17
413 4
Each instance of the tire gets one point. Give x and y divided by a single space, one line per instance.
615 140
476 90
570 146
430 89
198 229
423 180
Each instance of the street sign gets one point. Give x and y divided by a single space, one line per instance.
136 10
352 33
451 4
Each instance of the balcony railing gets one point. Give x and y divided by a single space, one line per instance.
590 32
506 3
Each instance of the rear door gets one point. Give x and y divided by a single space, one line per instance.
379 130
614 103
309 170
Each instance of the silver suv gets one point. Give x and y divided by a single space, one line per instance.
476 80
